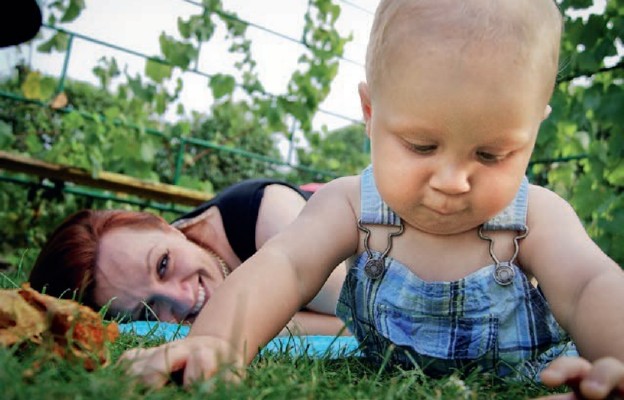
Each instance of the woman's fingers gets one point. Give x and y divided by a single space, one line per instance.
206 362
154 366
198 357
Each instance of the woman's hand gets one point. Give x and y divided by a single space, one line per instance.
193 358
602 379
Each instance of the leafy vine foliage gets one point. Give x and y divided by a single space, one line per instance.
123 125
587 119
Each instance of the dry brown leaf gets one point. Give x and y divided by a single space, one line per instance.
76 331
19 321
59 101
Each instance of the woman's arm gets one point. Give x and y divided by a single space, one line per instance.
279 207
261 296
313 323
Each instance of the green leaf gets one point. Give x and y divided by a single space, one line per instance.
200 27
586 198
33 143
222 85
157 71
616 176
6 135
31 88
177 53
58 42
147 151
73 10
578 4
593 30
236 27
161 103
194 183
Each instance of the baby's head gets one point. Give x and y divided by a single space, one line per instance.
455 95
526 32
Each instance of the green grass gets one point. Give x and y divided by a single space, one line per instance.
30 373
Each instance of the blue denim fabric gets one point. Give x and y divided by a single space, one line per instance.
443 326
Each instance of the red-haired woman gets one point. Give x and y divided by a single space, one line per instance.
139 266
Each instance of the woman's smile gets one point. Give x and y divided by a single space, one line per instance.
201 299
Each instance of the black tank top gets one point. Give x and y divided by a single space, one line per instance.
239 205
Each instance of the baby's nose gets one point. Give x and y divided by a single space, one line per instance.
451 180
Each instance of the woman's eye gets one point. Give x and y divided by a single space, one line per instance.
163 264
489 157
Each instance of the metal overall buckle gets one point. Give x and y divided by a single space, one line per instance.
503 271
375 267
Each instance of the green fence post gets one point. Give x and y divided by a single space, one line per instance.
179 161
61 84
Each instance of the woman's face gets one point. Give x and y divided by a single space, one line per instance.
154 273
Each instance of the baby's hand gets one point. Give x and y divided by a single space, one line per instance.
602 379
193 358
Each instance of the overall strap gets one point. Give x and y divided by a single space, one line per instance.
513 217
373 209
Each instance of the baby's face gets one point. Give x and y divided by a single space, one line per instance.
452 135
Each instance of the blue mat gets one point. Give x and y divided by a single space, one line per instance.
311 345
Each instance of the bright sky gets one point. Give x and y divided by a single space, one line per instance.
137 24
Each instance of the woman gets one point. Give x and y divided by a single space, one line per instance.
137 265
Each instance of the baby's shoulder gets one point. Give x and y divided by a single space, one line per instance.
346 187
543 201
549 211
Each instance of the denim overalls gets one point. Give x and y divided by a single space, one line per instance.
494 318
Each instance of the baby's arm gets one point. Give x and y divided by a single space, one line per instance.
262 295
584 288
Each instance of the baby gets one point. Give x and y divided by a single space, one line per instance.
443 233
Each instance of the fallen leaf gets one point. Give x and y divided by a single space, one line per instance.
75 332
59 101
19 321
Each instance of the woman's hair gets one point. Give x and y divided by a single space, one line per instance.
66 264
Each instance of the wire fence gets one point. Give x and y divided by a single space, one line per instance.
182 142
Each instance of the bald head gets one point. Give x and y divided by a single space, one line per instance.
524 32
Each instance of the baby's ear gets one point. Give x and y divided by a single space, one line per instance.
547 111
365 103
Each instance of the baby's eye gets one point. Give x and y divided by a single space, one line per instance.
422 149
163 265
489 157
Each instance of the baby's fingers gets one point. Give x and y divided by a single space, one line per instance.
602 380
565 370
